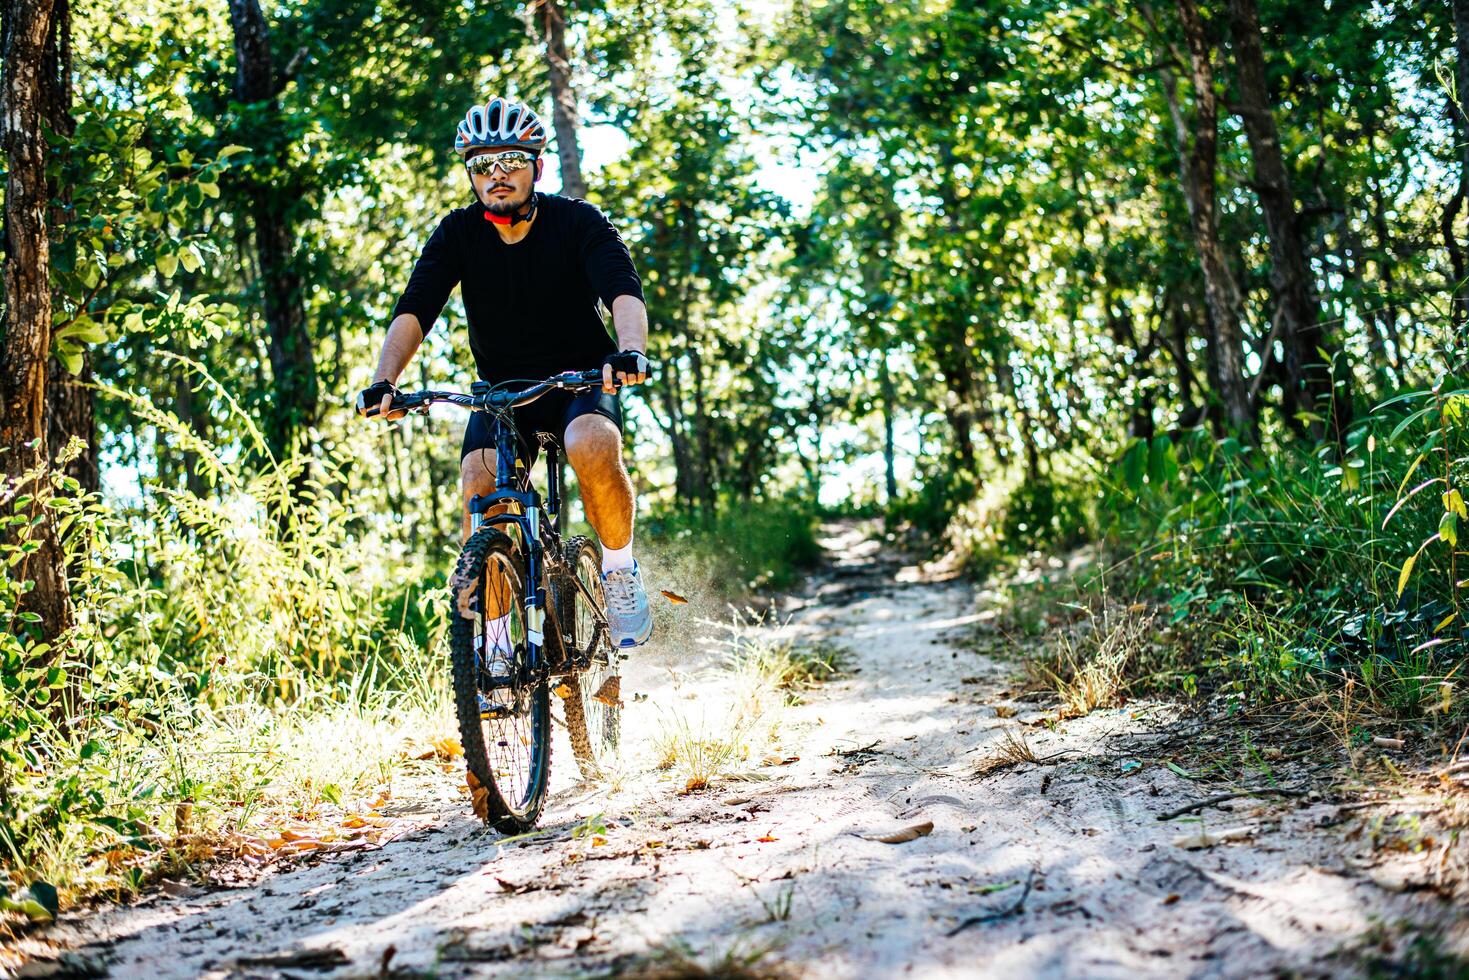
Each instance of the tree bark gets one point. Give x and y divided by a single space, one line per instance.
1198 153
889 453
69 410
551 19
1308 381
292 359
1458 117
26 343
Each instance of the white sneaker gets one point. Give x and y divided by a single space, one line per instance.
628 616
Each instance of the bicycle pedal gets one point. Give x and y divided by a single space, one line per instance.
494 712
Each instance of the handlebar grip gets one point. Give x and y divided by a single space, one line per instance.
374 410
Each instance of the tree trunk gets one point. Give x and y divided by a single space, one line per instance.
551 19
1304 339
292 360
69 410
26 343
889 455
1198 153
1459 308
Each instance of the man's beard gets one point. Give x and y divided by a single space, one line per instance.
508 206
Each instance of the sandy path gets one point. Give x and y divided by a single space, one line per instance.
779 865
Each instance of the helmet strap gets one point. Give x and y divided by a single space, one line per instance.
511 220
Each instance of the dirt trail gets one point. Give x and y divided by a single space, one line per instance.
1042 869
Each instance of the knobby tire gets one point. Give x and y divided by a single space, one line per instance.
485 547
595 727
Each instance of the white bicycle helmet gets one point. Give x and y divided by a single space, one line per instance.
500 122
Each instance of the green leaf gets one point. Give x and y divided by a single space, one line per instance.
70 357
1453 502
1411 470
84 330
1405 574
1135 464
209 188
1162 461
231 150
168 264
189 259
26 906
1448 530
45 893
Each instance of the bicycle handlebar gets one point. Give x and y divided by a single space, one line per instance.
492 400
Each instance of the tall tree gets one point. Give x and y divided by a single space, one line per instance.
1308 345
550 19
1198 156
258 84
26 345
70 412
1459 123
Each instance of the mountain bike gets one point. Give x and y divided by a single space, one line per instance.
516 563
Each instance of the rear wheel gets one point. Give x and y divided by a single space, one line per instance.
593 695
504 711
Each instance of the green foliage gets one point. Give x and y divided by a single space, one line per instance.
1313 563
748 545
202 622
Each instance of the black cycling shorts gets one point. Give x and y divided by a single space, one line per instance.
551 413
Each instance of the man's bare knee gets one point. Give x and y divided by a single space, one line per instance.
593 441
475 476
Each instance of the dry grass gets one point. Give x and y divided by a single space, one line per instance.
1091 664
760 673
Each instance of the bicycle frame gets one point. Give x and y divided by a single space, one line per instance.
537 526
525 515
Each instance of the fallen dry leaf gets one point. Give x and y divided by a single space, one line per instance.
903 836
767 839
1004 711
779 760
610 692
562 690
675 598
479 797
1203 838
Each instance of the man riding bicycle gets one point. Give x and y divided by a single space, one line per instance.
530 268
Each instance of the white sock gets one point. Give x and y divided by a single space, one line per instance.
498 630
615 558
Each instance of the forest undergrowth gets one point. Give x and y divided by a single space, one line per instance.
253 670
1308 602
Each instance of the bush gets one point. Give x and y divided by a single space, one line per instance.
1310 561
1011 517
209 630
747 545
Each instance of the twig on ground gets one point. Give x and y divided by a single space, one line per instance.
1224 797
1019 905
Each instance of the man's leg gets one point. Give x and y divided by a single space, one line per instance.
594 449
476 476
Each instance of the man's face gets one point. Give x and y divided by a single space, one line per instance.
503 193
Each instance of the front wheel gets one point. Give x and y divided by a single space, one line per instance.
593 695
501 700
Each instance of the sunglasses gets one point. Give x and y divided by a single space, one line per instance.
508 161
